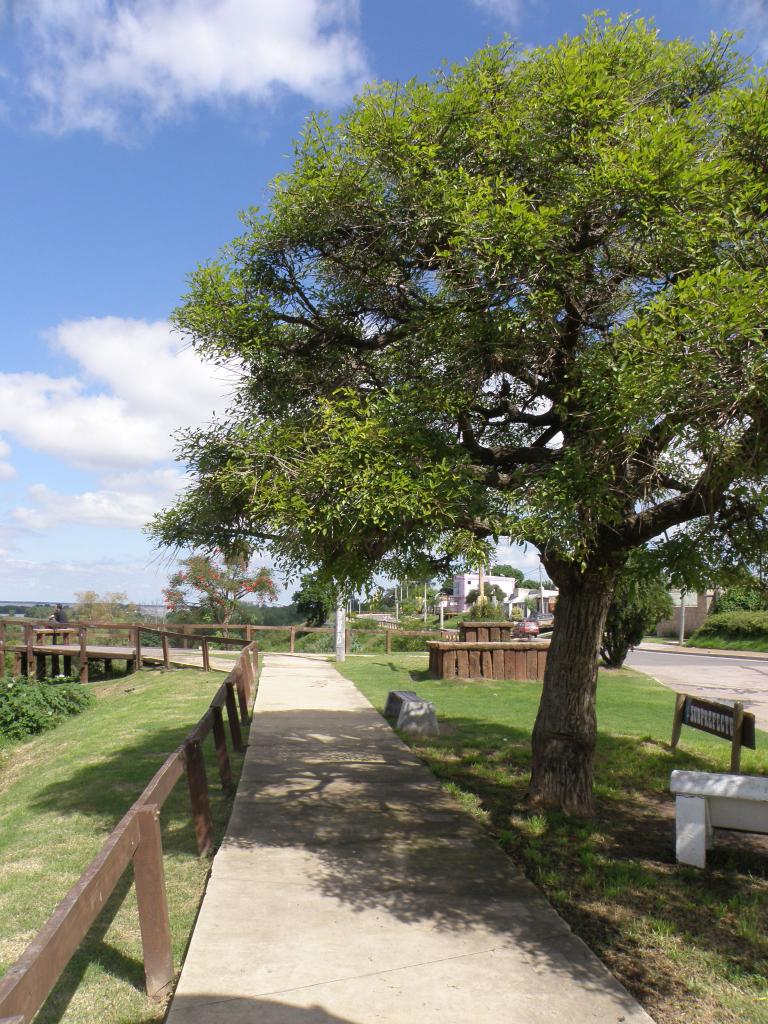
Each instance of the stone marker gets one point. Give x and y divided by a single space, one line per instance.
412 714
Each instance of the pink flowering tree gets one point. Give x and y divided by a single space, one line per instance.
218 584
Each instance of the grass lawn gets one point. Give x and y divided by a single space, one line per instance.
691 945
725 642
60 795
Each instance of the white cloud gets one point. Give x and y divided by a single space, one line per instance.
91 508
95 64
136 383
58 579
751 16
508 10
7 471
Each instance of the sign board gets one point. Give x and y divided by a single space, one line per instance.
728 721
717 719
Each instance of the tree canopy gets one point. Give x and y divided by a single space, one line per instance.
640 600
526 298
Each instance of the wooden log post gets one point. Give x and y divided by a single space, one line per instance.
55 668
206 655
198 795
68 665
677 720
292 640
222 754
249 634
389 641
136 648
166 656
240 674
154 922
40 667
82 635
234 720
738 727
29 640
2 648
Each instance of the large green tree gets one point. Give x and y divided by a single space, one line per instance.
526 298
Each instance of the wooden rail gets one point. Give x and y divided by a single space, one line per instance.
31 654
136 840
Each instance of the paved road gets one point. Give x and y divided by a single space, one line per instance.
744 679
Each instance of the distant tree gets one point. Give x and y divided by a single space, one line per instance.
752 596
507 570
315 600
492 592
109 607
640 599
217 585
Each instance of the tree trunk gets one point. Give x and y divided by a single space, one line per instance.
566 726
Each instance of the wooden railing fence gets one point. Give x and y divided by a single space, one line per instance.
137 840
33 634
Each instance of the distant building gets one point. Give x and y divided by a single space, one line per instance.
514 594
696 610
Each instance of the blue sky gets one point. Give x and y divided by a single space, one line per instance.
132 133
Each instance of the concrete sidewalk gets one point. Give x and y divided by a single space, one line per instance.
351 889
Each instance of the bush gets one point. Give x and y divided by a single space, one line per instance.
738 625
28 707
750 598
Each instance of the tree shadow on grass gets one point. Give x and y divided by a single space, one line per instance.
376 832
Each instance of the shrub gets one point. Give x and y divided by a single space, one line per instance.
28 707
749 598
738 625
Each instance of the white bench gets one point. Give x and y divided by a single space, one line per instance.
705 801
412 714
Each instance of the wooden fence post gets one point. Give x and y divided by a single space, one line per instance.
151 897
2 648
389 641
234 721
222 754
55 667
292 647
136 648
206 655
166 658
198 795
249 634
738 727
82 634
246 676
29 639
677 720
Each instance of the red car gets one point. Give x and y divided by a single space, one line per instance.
526 629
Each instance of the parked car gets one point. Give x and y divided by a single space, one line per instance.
526 628
545 620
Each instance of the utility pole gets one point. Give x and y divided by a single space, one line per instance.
340 631
425 603
442 612
480 585
541 592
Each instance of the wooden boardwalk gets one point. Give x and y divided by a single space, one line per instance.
53 659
